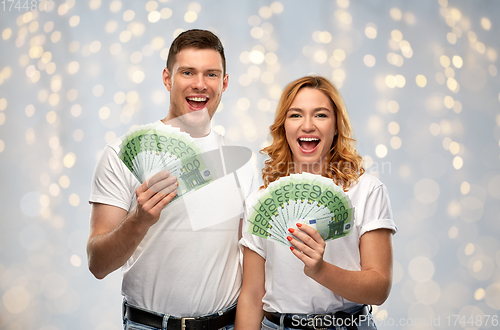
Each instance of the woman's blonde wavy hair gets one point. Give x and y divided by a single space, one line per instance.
344 165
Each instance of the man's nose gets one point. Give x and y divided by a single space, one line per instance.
199 82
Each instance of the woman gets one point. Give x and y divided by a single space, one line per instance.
316 284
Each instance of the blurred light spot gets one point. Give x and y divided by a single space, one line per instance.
30 136
277 7
55 36
454 148
109 136
426 191
54 189
479 294
395 142
78 135
243 103
381 151
494 187
115 49
421 80
69 160
395 14
396 35
115 6
492 70
465 188
444 60
265 12
393 128
74 200
451 37
75 260
320 56
427 292
54 99
138 76
73 67
111 26
157 43
51 117
6 34
155 16
104 112
256 32
256 56
128 15
435 129
264 105
159 97
32 237
469 249
16 300
74 20
254 20
132 97
151 5
458 162
125 36
369 60
453 232
254 71
54 143
492 296
393 106
165 13
64 181
190 17
371 31
76 110
486 23
421 269
98 90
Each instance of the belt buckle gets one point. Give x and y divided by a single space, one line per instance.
183 321
319 316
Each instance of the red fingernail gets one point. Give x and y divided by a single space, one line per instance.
291 230
291 248
289 238
299 225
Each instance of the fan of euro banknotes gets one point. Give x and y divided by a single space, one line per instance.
149 149
301 198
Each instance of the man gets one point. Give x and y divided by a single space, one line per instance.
171 273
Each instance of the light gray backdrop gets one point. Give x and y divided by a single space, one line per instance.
419 79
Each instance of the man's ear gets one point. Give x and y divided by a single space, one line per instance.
225 82
167 80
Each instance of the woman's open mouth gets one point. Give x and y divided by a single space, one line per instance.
308 144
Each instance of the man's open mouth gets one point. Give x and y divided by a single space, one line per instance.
308 144
198 102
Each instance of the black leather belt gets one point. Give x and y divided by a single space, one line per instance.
320 321
181 323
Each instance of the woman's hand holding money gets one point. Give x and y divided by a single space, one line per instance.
310 250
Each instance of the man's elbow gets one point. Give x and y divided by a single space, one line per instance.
96 271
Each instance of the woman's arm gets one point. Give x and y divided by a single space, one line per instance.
369 286
249 312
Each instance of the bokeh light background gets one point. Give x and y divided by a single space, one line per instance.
419 79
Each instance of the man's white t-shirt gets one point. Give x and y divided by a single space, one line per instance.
176 270
288 289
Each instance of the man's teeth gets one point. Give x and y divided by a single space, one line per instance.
197 99
308 139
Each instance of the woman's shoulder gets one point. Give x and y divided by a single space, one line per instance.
367 181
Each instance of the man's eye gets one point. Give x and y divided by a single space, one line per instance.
213 75
186 73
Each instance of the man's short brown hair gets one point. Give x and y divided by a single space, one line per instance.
199 39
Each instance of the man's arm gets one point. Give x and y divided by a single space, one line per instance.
114 234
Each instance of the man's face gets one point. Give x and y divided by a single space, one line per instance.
196 84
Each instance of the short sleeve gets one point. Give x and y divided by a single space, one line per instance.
377 211
111 183
248 240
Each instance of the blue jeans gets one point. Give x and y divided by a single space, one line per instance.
365 324
130 325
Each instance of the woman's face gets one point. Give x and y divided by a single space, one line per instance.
310 127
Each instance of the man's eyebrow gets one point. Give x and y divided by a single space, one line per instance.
194 69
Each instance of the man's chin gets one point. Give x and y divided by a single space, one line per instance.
195 123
